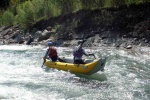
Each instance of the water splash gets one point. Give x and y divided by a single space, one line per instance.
126 75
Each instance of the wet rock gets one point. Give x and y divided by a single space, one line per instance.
30 40
105 34
2 42
45 35
129 47
2 28
17 36
5 32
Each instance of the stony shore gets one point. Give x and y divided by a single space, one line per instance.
126 27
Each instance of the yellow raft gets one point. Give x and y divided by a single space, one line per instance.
91 66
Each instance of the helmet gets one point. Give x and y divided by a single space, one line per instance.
81 41
50 43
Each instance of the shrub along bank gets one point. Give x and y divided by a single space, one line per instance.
122 26
104 26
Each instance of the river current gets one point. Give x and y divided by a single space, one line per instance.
126 75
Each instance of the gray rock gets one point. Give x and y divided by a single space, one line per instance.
45 35
129 47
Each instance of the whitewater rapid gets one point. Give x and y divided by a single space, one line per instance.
126 75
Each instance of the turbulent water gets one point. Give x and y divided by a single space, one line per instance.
126 75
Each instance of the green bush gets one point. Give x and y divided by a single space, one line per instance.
8 18
38 9
20 18
54 9
27 12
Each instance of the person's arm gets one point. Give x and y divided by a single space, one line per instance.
44 58
81 43
46 54
90 54
85 53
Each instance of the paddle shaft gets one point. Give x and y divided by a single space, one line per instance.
94 56
43 62
44 59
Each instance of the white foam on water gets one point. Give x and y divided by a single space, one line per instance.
22 78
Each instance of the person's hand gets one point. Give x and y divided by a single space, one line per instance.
44 58
92 54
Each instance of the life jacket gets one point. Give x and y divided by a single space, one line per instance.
78 52
52 52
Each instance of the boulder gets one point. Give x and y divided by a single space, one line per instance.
45 35
129 47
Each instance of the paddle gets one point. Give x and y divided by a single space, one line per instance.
44 59
92 55
90 49
43 62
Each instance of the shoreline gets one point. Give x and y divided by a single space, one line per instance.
121 27
86 47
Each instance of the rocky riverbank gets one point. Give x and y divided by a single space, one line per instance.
125 26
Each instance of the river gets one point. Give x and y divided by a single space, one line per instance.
126 75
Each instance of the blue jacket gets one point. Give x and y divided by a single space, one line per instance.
78 52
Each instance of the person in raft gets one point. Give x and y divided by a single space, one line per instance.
51 53
78 52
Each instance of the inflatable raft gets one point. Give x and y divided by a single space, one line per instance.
91 66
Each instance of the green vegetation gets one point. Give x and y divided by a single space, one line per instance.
8 18
27 12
